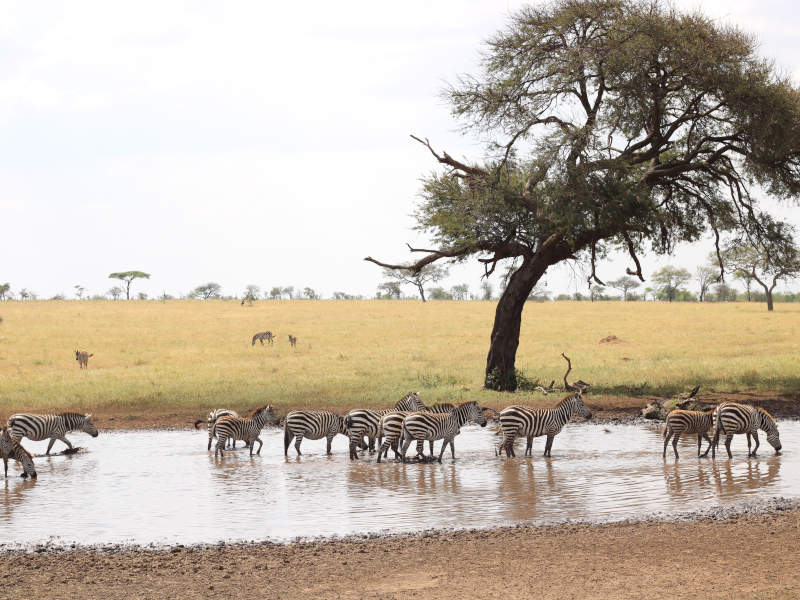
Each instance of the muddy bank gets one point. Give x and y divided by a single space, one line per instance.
678 559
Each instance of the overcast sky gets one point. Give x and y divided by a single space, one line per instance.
240 143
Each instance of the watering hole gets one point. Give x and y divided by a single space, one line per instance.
163 487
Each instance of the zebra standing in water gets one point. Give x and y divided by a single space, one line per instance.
392 425
431 426
362 422
55 427
733 418
688 421
247 429
533 422
311 424
11 448
215 414
264 335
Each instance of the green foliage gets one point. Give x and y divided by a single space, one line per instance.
5 289
206 291
128 277
670 280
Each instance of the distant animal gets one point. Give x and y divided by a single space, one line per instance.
733 418
55 427
425 425
518 421
363 422
688 421
311 424
264 335
83 358
292 341
11 448
246 429
212 419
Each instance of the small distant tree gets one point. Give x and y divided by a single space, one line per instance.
25 294
724 292
251 294
343 296
439 293
538 293
128 277
275 293
670 280
460 292
425 275
164 297
79 291
596 293
486 290
115 292
5 290
310 293
706 275
624 284
142 296
288 291
206 292
389 290
766 264
58 297
747 279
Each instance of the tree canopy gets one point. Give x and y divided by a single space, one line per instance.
128 277
610 124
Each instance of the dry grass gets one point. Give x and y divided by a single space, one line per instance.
186 354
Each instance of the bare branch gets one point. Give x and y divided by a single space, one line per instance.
448 160
632 252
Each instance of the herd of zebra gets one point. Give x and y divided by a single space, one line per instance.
409 421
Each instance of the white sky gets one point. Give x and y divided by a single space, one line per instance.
243 143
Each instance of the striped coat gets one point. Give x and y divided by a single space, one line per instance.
311 424
211 420
424 425
733 418
392 426
55 427
688 421
264 335
11 448
525 421
363 422
246 429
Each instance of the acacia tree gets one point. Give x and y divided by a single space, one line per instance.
5 290
623 284
206 291
765 267
670 279
612 124
706 275
128 277
418 278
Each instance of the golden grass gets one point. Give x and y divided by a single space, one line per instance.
185 354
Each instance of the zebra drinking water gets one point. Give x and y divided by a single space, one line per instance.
431 426
688 421
533 422
11 448
733 418
215 414
362 422
55 427
264 335
311 424
247 429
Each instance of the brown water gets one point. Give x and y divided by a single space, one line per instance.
164 488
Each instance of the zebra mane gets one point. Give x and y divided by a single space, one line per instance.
258 410
73 415
764 412
564 399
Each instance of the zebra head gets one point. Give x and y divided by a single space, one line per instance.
265 414
768 424
472 412
411 401
27 463
579 407
87 426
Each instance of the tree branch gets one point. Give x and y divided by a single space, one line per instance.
632 252
448 160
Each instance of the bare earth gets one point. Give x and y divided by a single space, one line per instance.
747 557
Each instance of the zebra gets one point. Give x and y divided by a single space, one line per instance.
311 424
391 426
533 422
733 418
242 428
215 414
292 341
362 422
424 425
264 335
55 427
11 448
688 421
83 358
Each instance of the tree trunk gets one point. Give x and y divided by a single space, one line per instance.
128 290
500 363
421 292
769 300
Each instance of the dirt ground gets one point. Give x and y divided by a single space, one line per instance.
746 557
604 407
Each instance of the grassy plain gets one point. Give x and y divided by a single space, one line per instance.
186 355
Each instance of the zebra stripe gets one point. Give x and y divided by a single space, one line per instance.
215 414
432 426
311 424
264 335
534 422
247 429
55 427
11 448
733 418
688 421
392 426
363 422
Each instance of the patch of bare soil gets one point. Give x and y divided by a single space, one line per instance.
611 339
650 560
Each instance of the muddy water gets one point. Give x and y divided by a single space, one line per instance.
164 488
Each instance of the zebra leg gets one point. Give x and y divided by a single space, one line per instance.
510 445
749 443
421 449
404 448
353 453
708 439
728 440
220 447
287 439
529 447
548 445
384 449
5 465
699 444
667 436
755 437
675 443
431 445
210 437
260 445
298 439
444 446
50 445
452 449
328 445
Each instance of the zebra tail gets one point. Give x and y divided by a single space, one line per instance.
197 423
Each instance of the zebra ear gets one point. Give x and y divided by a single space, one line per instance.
88 416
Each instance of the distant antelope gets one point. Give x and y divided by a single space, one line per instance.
264 335
292 341
83 358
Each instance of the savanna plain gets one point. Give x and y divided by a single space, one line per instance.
165 364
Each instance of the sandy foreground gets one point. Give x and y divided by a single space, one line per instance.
744 557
